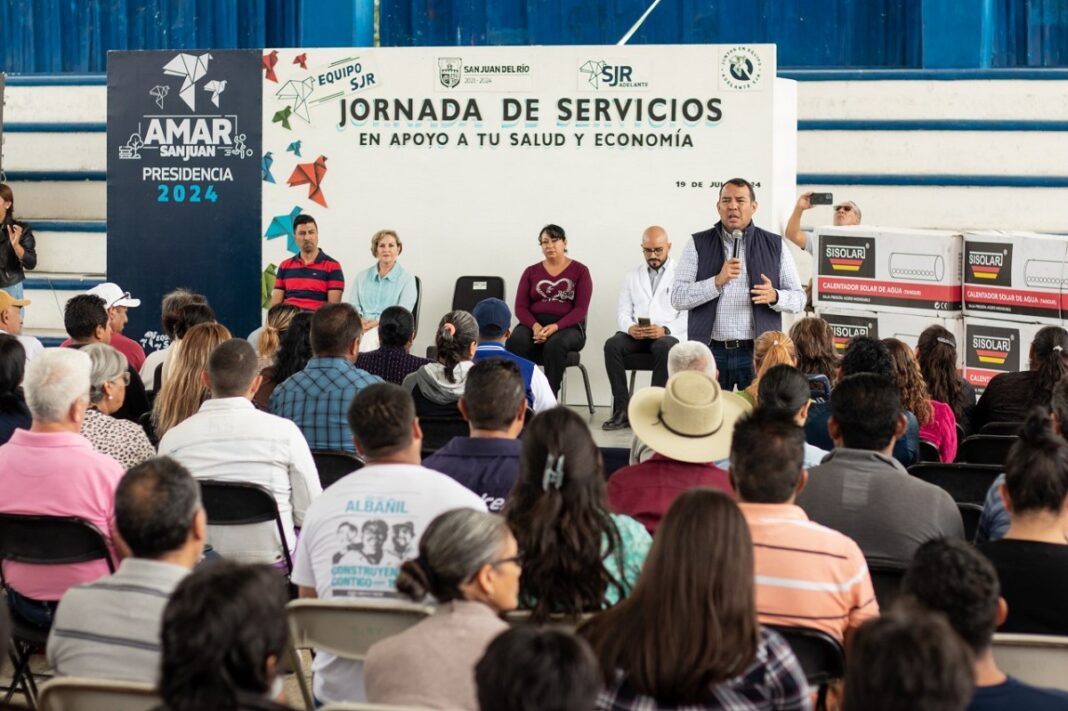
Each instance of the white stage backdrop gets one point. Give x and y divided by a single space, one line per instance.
467 152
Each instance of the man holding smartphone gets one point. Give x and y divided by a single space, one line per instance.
647 321
845 213
735 280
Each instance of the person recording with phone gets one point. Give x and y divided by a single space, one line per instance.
735 280
18 249
647 322
845 213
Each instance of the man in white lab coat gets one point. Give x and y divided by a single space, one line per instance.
647 321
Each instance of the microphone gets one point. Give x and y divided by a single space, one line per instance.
737 235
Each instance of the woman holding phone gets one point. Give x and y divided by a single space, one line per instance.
18 249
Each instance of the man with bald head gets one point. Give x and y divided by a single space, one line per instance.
647 321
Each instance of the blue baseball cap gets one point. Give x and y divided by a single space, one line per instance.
493 316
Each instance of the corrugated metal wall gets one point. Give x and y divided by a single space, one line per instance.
74 35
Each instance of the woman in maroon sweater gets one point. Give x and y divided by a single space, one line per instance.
551 305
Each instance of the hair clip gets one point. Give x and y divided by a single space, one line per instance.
947 341
1057 348
554 472
449 329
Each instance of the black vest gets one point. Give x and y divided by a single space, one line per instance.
763 255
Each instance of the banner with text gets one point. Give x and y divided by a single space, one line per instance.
467 152
184 182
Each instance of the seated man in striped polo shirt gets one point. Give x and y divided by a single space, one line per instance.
311 278
110 628
807 575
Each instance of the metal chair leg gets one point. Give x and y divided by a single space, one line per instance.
633 375
589 391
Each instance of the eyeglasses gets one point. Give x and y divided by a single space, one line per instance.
843 208
655 252
517 559
125 295
124 377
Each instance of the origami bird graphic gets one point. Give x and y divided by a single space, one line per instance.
282 117
283 225
192 69
312 174
216 87
297 93
268 161
302 60
159 91
294 148
269 60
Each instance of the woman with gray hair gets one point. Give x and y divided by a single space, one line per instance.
122 440
470 563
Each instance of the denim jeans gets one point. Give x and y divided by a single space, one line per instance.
36 612
735 366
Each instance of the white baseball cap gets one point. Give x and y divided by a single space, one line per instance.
113 295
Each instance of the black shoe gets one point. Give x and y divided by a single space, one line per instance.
618 421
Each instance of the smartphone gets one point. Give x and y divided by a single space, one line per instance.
821 199
643 321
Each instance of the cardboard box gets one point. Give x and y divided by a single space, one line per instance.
901 270
993 346
847 323
1016 275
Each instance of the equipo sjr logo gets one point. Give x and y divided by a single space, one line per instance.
599 74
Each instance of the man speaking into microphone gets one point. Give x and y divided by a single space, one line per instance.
735 280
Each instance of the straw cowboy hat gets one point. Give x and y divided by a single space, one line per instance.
691 419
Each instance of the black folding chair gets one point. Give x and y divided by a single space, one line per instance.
574 360
1009 429
966 483
233 503
439 423
819 387
928 452
820 655
418 302
469 290
335 464
635 362
42 540
985 449
886 579
970 515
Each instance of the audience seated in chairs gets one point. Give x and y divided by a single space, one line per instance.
268 338
52 470
293 353
862 491
807 575
392 360
770 349
688 634
937 423
185 390
109 629
124 441
172 314
495 407
229 440
688 425
86 319
372 521
577 556
785 389
814 344
318 397
533 669
494 328
551 305
953 578
864 355
908 659
1032 558
224 634
469 562
14 414
1009 397
936 352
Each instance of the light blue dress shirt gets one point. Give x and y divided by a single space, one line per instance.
372 294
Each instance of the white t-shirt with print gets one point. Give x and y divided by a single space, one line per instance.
356 535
